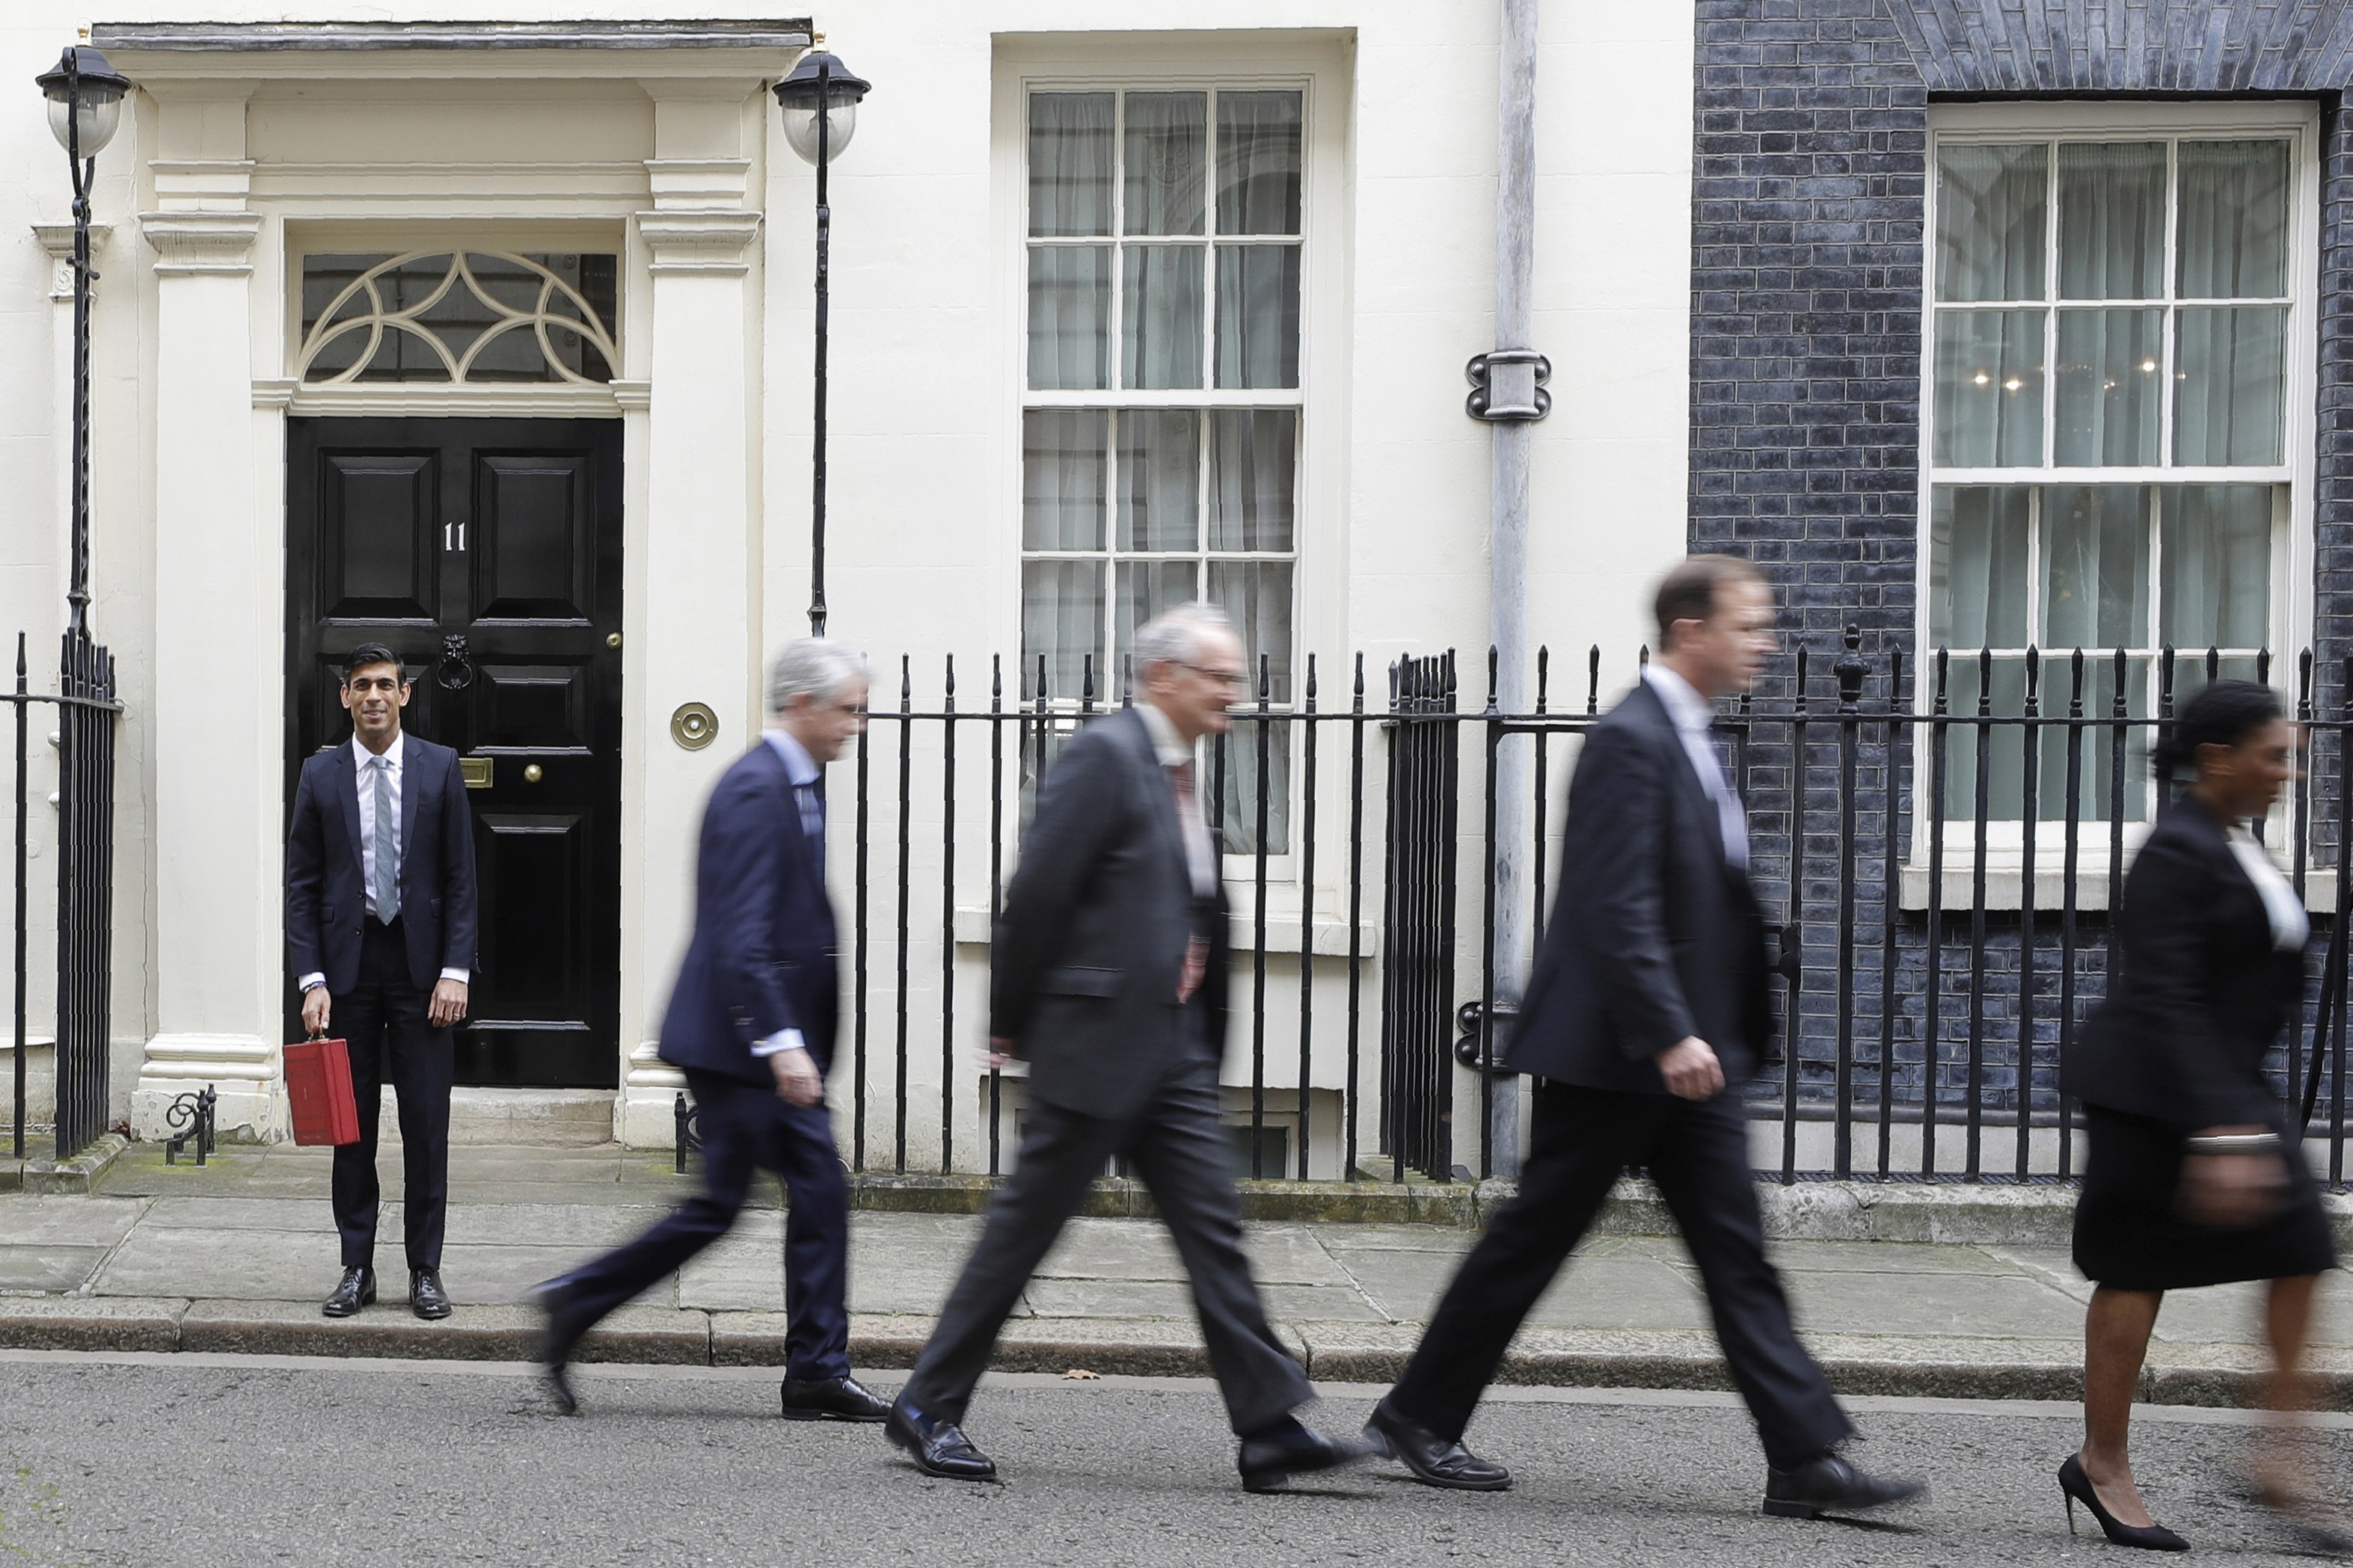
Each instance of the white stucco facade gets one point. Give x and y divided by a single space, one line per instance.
673 159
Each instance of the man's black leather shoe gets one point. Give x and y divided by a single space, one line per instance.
1435 1461
832 1399
938 1448
1828 1484
426 1297
1270 1459
357 1290
556 1338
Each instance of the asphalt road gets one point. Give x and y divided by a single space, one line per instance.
249 1460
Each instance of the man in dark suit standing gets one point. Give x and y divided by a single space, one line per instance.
1108 974
1645 1016
751 1024
381 916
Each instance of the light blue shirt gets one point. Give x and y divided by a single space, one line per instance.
802 771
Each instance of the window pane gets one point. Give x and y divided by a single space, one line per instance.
1062 480
1257 595
2094 566
1160 342
1978 567
2111 220
1258 162
2097 765
1253 464
1165 152
1258 315
1991 209
1988 388
1070 317
2109 387
2227 395
1062 618
1070 163
1159 479
1146 589
1239 800
2233 239
2218 566
2004 689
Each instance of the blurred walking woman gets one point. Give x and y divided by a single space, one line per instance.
2193 1173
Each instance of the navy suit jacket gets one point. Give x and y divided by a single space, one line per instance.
326 894
762 956
1654 935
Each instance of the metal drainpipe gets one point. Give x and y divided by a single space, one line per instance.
1508 394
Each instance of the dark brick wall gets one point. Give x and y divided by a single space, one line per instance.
1808 180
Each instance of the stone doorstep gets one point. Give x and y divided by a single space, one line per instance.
2222 1376
81 1175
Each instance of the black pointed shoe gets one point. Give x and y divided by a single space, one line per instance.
426 1297
1434 1461
938 1448
832 1399
1828 1484
357 1290
1268 1459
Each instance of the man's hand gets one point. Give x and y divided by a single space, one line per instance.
449 1003
1002 1053
797 1082
1691 1069
315 1010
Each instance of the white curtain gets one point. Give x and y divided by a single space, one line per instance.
1991 203
1070 163
2095 567
2228 398
1977 566
1989 384
1258 315
1166 156
1253 461
2233 240
2112 220
1257 595
1070 317
1062 619
2110 385
2217 567
1062 481
1159 479
1160 333
1258 162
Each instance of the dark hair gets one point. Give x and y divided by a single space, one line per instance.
1690 591
2220 713
369 653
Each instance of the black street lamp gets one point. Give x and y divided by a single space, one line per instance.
85 98
820 100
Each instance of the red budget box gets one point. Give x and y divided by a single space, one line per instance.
318 1086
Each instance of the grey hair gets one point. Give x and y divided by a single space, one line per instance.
1173 637
811 666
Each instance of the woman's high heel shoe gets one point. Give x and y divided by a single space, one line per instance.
2077 1486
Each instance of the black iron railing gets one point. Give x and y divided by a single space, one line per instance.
86 709
1941 942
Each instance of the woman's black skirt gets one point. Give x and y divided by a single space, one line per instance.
2128 1235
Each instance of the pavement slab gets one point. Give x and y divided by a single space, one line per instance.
236 1256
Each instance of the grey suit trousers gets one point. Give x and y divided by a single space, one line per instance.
1178 1148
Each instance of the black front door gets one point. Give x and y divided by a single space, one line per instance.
487 554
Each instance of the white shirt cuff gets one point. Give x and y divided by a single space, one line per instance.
463 976
782 1040
308 981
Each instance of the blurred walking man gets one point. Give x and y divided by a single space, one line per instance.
1109 976
1645 1016
751 1024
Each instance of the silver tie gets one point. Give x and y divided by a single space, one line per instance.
387 845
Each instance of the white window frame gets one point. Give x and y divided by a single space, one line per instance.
1315 65
2292 543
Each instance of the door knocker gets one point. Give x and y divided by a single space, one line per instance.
457 671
